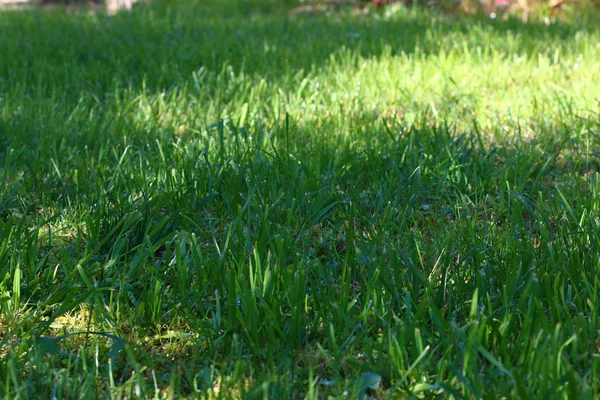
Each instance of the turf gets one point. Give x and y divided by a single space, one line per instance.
220 200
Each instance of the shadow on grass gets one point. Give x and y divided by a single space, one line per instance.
159 46
178 244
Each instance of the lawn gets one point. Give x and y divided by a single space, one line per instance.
218 199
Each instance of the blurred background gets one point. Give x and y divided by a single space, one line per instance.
524 9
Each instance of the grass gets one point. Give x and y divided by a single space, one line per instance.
201 200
